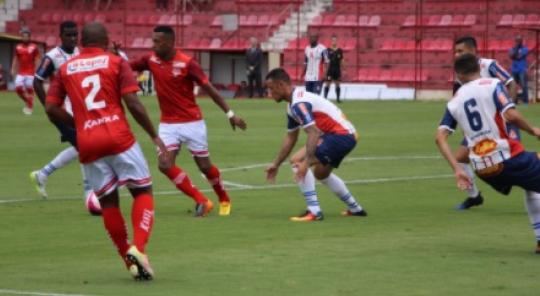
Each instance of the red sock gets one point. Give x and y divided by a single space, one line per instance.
116 227
142 219
214 178
30 98
22 95
183 183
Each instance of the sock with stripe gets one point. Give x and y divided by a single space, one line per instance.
30 98
473 191
116 228
214 178
142 219
307 186
62 159
532 203
183 183
20 91
339 188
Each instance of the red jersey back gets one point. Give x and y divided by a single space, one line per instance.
175 81
95 82
27 54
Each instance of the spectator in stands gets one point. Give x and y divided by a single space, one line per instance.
518 54
162 5
254 59
3 82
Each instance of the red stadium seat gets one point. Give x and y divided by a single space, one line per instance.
386 75
388 45
363 21
446 20
45 18
137 42
351 20
506 20
148 43
51 41
101 18
519 20
317 21
56 18
363 74
242 20
410 21
215 43
374 21
339 21
532 20
470 20
434 20
153 20
457 20
217 22
89 17
264 20
328 20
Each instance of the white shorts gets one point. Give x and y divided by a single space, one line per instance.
26 81
110 172
193 134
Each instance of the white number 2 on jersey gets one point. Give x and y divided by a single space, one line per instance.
93 81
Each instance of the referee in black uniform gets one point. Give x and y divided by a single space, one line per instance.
335 55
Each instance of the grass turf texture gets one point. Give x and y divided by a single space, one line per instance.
412 243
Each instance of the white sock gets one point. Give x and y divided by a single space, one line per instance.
340 189
63 158
86 185
473 191
532 203
307 186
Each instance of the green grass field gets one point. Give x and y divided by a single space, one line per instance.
412 243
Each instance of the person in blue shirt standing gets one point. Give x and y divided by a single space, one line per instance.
518 54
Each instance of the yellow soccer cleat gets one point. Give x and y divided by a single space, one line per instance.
225 208
39 184
308 217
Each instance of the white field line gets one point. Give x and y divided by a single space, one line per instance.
237 185
350 159
17 292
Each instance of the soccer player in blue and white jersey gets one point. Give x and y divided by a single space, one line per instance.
330 137
488 69
482 108
316 57
50 63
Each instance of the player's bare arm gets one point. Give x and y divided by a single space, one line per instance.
513 116
39 89
14 66
57 114
234 120
462 179
286 147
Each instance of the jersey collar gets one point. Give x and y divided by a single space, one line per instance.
91 50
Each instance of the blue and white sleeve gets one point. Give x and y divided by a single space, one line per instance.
448 122
292 125
496 71
45 69
303 111
502 99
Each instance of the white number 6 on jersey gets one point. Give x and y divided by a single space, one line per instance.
93 81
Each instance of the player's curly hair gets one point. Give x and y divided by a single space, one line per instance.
278 74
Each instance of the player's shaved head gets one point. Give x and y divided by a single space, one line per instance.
465 45
94 34
278 83
466 64
278 74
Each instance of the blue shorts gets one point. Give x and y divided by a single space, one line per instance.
314 86
67 134
512 130
333 148
522 170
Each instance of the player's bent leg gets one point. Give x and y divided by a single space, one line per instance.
532 203
474 196
213 175
39 177
307 187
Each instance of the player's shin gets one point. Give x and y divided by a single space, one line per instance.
183 183
62 159
336 185
21 93
473 191
214 178
142 219
116 228
532 203
326 90
307 186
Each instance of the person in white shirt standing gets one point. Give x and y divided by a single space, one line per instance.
315 58
482 108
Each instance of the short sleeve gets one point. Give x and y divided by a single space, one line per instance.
496 71
57 91
46 69
292 125
196 73
303 112
127 81
448 122
502 99
140 64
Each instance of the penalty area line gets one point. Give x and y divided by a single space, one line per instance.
17 292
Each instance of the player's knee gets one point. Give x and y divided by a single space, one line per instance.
321 174
205 168
164 167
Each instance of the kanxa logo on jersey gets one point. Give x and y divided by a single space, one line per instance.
177 68
91 123
85 65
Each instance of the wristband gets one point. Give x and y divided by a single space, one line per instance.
230 114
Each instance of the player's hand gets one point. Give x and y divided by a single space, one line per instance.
271 173
301 171
536 132
237 122
462 179
164 154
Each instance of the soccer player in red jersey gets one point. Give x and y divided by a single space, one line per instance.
96 81
23 69
181 122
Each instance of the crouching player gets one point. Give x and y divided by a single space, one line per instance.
330 137
96 81
482 108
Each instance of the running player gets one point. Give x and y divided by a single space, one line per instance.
315 58
481 108
96 81
488 69
22 68
181 119
330 137
51 62
335 56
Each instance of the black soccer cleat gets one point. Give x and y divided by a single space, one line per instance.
470 202
348 213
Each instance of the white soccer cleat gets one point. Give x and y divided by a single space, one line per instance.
39 183
27 111
140 260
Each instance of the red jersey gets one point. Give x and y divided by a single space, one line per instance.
174 82
95 82
26 55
